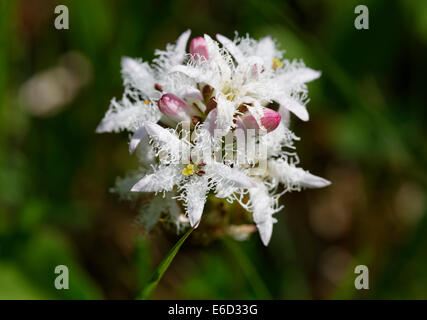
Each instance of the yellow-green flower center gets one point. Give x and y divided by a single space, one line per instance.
189 170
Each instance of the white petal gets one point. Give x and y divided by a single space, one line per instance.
261 202
213 48
231 48
190 92
226 174
162 179
195 198
296 73
160 134
195 73
265 230
252 68
301 75
173 55
173 149
225 113
210 123
136 138
263 207
294 178
219 62
294 106
125 115
139 75
267 50
228 180
286 117
179 51
224 192
309 180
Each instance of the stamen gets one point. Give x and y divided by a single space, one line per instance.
188 171
158 87
207 92
200 173
277 63
211 105
195 120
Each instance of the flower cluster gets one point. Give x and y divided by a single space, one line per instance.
180 110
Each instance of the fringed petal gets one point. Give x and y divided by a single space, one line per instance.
294 178
163 179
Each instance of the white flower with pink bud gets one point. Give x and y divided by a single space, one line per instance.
174 109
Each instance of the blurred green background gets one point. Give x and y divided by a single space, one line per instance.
366 134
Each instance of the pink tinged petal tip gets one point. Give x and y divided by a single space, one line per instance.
198 48
270 120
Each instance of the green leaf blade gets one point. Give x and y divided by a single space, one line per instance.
161 269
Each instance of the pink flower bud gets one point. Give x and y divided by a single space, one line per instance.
198 48
176 110
270 120
172 106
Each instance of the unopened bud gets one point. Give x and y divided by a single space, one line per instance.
270 120
198 48
175 110
173 107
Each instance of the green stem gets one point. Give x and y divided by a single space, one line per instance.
161 269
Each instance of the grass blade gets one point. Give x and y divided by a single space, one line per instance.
161 269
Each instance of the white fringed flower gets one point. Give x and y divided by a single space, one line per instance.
175 107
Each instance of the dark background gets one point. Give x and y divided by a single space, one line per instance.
366 134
